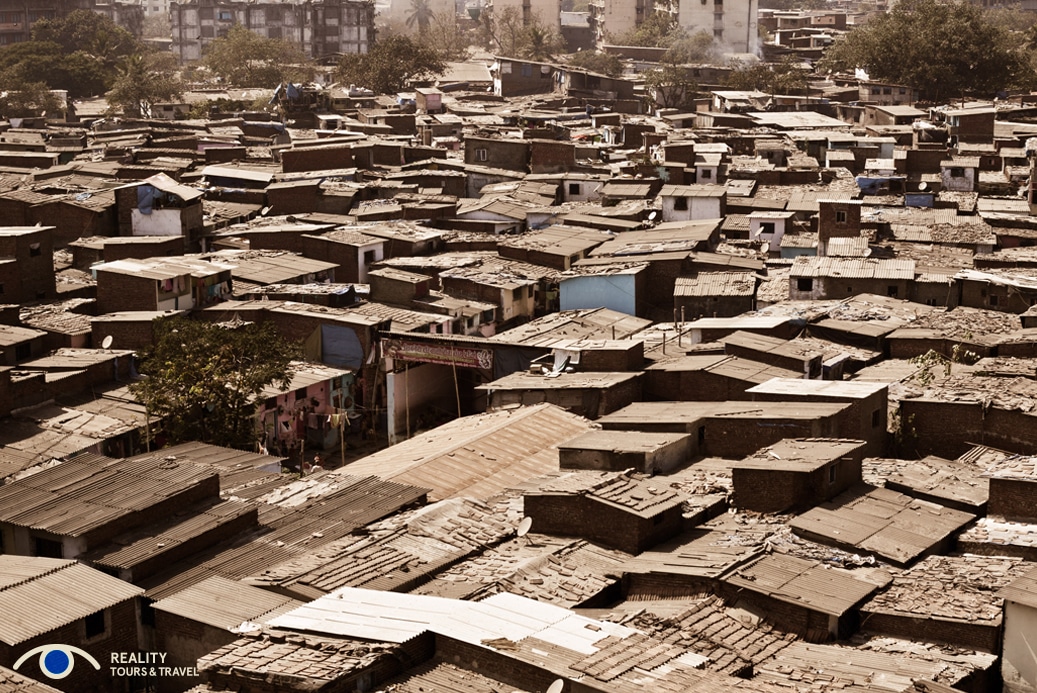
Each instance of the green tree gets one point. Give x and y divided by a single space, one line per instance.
540 43
85 30
246 59
670 86
204 379
391 64
602 63
421 14
785 77
28 99
143 82
945 50
658 29
448 38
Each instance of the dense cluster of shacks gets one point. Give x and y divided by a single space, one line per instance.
737 399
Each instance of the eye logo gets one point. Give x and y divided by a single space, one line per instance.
56 661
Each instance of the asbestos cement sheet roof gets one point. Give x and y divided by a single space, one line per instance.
226 604
888 524
479 455
809 584
38 595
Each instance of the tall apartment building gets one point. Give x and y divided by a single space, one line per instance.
18 16
610 19
733 23
319 27
547 12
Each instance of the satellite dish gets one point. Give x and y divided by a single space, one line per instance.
651 217
923 185
524 526
556 687
106 343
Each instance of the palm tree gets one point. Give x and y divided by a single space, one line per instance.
540 43
420 14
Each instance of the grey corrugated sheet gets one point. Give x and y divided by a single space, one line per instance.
55 597
798 581
1022 590
224 603
76 496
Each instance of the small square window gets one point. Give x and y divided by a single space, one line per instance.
993 299
34 250
94 624
876 418
481 154
804 284
957 172
707 173
574 188
840 217
680 204
891 291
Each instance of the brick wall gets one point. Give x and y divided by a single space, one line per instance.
125 334
974 636
124 292
185 641
174 245
342 254
73 222
316 158
1013 499
551 157
495 664
578 516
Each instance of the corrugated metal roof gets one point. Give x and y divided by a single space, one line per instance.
39 595
805 583
716 284
477 456
853 268
888 524
226 604
1022 590
74 497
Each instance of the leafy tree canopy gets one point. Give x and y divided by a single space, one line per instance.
205 378
246 59
602 63
508 34
659 29
80 53
28 99
144 81
785 77
391 64
945 50
84 30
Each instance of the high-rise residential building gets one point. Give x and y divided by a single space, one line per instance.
732 23
611 19
320 28
547 13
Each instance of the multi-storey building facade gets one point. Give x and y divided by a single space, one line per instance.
319 27
732 23
547 13
611 19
